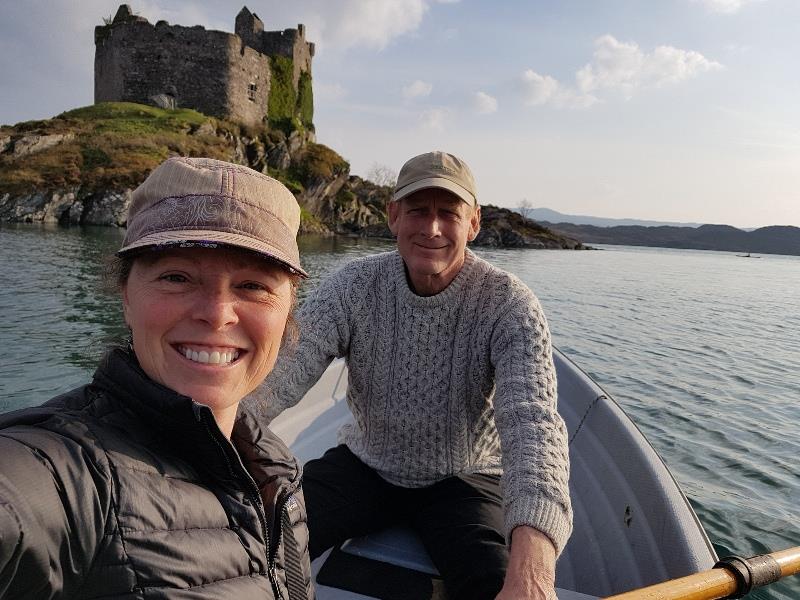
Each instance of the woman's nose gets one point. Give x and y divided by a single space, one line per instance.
217 308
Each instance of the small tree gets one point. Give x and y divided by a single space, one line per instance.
381 175
526 208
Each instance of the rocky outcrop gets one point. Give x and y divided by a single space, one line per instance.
67 207
28 144
501 227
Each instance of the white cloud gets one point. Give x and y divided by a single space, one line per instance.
616 67
354 23
728 7
434 118
417 89
538 90
624 67
483 103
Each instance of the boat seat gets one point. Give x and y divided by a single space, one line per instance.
396 546
390 564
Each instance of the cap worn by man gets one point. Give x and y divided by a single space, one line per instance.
206 201
436 170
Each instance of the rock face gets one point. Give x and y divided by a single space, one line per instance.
501 227
28 144
50 174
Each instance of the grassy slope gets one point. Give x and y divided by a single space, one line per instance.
115 145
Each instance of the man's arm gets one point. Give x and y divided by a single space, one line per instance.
534 444
531 566
323 334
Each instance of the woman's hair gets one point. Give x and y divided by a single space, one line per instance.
118 269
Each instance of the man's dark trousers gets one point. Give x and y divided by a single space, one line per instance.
459 519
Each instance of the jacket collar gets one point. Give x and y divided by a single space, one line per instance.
190 430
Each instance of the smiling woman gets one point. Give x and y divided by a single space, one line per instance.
151 479
207 323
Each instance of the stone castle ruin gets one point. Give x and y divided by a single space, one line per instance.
251 76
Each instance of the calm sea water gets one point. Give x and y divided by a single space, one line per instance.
700 348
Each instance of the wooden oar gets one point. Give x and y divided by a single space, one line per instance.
731 577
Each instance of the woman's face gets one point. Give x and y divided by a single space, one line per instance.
207 322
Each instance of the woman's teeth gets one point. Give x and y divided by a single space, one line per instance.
213 358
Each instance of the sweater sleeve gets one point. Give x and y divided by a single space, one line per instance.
323 335
51 522
533 435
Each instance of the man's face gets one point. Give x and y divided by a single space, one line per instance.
433 227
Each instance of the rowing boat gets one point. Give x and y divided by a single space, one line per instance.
632 526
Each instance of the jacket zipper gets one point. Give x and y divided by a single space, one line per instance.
280 506
255 498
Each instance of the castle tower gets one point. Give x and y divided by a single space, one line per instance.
249 27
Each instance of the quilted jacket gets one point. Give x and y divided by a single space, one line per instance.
125 489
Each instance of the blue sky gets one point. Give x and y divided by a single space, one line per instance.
675 110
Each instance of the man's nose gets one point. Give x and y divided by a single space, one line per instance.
431 226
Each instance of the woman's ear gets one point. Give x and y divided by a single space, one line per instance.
124 298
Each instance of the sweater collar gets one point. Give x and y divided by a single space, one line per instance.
447 295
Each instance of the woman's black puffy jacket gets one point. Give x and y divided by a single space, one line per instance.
125 489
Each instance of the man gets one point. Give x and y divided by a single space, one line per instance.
449 360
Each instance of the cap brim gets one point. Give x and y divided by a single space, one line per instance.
436 182
194 236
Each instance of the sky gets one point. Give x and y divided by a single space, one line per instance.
671 110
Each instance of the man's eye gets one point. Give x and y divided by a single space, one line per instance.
254 286
174 278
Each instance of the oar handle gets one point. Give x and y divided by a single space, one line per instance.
732 577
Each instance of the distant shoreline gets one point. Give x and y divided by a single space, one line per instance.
776 239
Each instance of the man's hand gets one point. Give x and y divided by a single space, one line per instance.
531 573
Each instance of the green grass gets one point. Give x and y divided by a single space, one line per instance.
115 144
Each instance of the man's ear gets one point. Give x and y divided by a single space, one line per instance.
393 213
474 224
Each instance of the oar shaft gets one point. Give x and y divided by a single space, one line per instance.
788 561
721 582
709 585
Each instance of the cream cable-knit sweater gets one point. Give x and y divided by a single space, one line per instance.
439 384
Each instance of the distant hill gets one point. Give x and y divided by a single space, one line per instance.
766 240
552 216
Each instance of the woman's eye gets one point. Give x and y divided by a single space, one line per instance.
254 286
174 278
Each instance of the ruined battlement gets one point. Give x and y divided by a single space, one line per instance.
227 75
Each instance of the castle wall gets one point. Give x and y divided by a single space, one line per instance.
210 71
292 44
217 73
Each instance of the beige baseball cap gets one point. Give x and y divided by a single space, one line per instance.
201 201
436 170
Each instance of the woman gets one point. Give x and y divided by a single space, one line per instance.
148 482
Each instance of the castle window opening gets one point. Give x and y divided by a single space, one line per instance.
251 92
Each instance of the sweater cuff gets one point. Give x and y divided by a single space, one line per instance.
542 514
